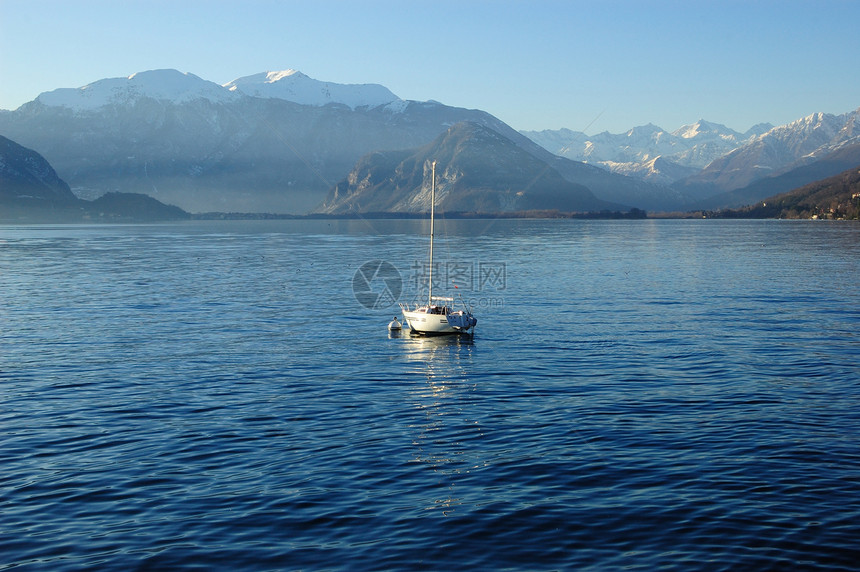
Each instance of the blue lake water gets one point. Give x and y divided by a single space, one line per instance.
638 395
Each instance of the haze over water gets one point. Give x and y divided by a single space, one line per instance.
638 394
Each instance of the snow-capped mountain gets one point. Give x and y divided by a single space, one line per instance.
686 150
272 142
179 87
777 151
161 85
656 170
295 86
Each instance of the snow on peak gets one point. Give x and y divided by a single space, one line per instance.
295 86
643 130
163 85
702 128
272 77
825 124
179 87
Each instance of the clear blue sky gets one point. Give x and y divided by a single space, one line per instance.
536 64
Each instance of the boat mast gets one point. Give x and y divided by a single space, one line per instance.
432 216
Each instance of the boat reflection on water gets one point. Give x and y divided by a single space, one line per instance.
441 358
446 432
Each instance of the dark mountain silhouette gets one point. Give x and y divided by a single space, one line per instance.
116 207
27 178
30 190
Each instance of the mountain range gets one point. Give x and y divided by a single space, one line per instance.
284 142
776 152
246 146
706 159
648 151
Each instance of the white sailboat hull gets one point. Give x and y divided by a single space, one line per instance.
423 321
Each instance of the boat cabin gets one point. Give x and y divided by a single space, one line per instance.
443 310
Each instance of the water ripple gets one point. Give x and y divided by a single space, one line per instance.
211 396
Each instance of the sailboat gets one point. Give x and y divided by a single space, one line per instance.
438 315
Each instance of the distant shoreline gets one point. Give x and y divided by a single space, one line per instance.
74 216
609 215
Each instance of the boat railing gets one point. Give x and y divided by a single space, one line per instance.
406 307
